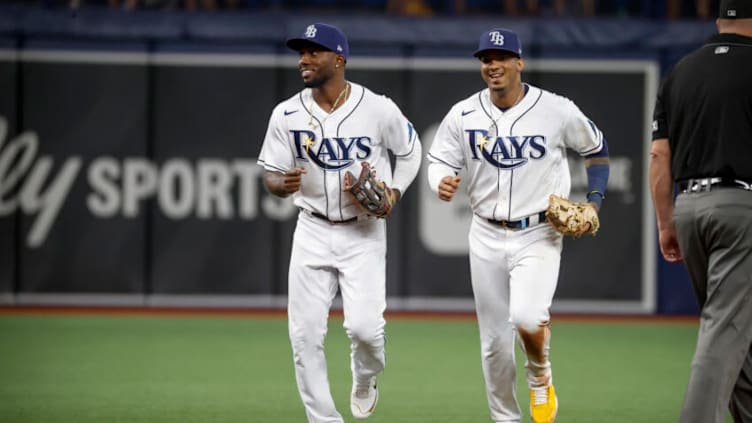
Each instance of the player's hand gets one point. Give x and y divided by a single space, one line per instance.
448 187
587 226
292 178
669 244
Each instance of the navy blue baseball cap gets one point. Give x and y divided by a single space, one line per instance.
328 36
499 39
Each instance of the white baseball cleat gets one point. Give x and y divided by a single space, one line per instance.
363 399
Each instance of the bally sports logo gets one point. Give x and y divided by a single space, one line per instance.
208 188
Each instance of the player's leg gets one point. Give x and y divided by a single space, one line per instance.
490 281
361 260
533 278
713 228
312 286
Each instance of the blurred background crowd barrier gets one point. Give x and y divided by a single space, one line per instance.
129 132
670 9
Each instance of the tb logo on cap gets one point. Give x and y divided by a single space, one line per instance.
310 31
496 38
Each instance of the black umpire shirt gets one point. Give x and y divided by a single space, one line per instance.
704 108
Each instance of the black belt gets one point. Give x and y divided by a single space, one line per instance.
707 184
522 223
333 222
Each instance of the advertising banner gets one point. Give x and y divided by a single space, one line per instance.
8 221
84 126
138 174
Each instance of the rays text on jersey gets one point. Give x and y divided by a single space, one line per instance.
508 152
333 153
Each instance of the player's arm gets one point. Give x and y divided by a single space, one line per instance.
598 169
403 141
445 157
582 135
443 180
406 167
281 176
283 184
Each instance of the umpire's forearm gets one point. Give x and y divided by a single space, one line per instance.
662 183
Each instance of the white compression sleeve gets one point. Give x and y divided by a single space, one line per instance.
437 172
405 168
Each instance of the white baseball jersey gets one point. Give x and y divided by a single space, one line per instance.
301 134
515 159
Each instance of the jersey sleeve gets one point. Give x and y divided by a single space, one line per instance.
402 140
399 134
275 152
580 133
446 147
660 123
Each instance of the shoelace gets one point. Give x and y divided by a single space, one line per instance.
540 395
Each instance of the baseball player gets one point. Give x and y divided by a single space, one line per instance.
512 138
313 140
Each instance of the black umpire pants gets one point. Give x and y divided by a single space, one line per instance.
714 230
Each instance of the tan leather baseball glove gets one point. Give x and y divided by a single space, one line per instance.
572 218
371 194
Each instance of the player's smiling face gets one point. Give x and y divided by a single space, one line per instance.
501 70
316 65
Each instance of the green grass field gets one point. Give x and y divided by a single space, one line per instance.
239 369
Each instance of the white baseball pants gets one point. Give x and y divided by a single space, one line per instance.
325 256
514 275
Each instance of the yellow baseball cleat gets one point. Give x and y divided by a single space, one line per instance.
543 404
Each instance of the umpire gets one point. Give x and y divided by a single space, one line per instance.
702 140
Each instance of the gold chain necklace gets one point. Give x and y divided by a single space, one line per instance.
342 94
493 106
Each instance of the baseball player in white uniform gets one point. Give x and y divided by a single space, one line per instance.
512 139
313 138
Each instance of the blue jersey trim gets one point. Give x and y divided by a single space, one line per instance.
412 148
277 168
360 100
511 174
532 106
321 127
341 192
487 112
603 152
